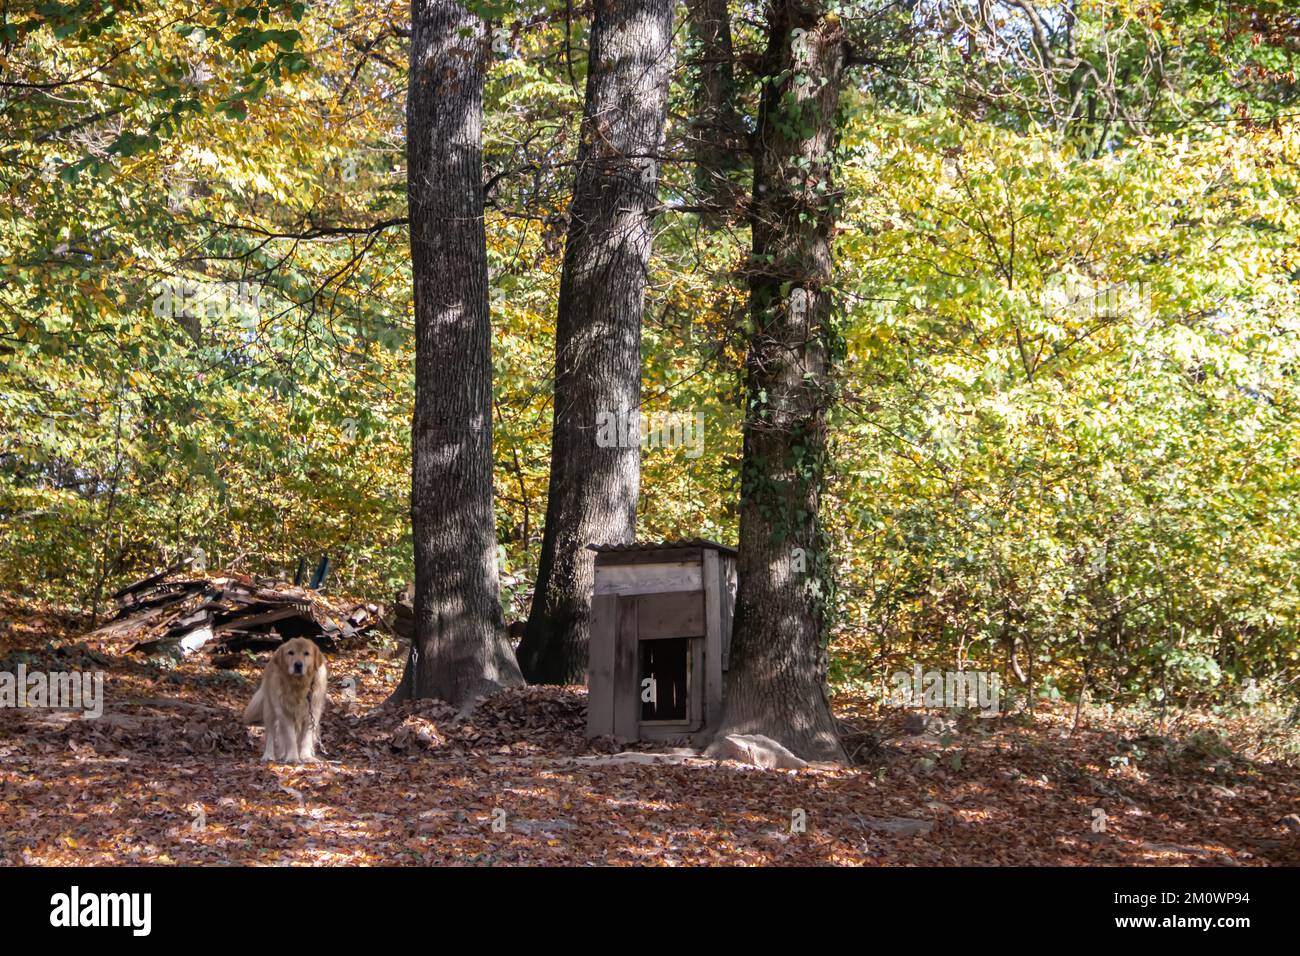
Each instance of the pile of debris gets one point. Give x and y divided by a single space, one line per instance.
176 610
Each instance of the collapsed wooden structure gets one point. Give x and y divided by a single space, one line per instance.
174 610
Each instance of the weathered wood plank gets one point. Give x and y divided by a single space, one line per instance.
627 692
253 620
600 665
670 614
727 566
648 578
711 682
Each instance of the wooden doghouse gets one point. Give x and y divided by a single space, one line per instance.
660 636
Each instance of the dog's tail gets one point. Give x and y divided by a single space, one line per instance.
253 712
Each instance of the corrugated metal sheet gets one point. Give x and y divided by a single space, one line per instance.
664 546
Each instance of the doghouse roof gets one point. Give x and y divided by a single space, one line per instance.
645 546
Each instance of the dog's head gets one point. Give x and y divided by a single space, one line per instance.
298 657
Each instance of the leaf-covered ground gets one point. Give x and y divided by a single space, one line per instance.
168 775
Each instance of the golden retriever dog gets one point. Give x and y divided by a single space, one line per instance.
289 702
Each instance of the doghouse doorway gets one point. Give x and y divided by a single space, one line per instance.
666 662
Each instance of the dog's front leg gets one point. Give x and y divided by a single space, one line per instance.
307 744
289 743
292 742
299 752
283 749
271 721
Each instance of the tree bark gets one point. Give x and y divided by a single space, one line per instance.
777 677
460 649
593 489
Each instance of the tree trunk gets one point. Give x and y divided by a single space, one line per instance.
460 649
777 678
717 139
593 489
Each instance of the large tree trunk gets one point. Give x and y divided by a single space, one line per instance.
777 678
717 138
460 649
593 489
